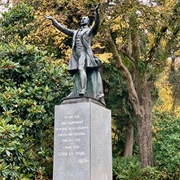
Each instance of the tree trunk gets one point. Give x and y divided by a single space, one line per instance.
144 125
129 142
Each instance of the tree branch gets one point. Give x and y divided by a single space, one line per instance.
156 42
131 89
130 58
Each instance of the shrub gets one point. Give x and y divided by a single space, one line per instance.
30 85
130 169
166 144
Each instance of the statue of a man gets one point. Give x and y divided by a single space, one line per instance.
82 62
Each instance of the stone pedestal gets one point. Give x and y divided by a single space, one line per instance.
82 141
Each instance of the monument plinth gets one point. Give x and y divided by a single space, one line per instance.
82 141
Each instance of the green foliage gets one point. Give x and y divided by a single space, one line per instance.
18 157
174 79
141 67
122 114
126 168
30 85
129 168
116 88
16 22
166 145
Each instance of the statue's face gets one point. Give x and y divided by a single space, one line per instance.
85 20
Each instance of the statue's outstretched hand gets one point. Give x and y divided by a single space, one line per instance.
97 7
49 17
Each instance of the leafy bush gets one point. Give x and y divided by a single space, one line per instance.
129 168
166 144
16 23
30 85
126 168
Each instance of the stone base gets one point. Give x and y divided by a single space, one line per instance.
82 142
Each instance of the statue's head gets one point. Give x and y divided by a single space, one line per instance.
84 21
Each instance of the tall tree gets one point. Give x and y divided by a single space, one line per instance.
143 35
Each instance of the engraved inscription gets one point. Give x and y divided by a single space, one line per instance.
71 133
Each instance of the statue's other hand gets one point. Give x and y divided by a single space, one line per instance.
48 17
97 7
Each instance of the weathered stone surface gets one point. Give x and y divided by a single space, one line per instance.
82 142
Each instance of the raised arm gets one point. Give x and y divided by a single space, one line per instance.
63 29
97 21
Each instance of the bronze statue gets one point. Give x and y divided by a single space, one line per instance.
82 62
